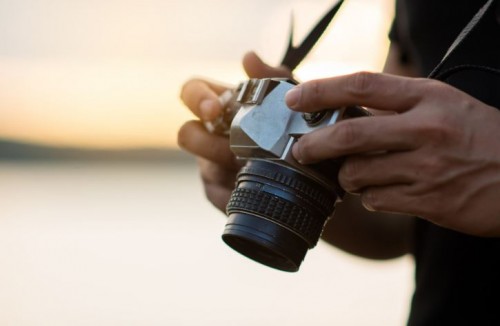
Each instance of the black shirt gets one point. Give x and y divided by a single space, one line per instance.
457 276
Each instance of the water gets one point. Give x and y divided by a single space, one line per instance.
137 244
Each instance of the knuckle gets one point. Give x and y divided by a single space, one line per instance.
432 86
442 129
194 91
183 135
216 151
316 88
431 168
348 175
443 119
344 133
360 83
313 93
187 89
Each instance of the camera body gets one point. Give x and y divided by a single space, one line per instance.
265 128
279 207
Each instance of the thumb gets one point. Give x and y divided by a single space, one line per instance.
256 68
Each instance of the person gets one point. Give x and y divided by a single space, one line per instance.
422 175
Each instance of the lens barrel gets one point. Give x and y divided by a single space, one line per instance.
276 214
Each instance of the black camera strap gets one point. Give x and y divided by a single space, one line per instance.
294 55
437 72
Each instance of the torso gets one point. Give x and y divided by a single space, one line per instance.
457 275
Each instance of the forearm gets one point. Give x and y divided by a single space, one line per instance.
368 234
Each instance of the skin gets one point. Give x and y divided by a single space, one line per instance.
218 165
353 229
422 154
436 158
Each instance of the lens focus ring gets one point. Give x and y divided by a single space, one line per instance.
283 196
297 183
281 211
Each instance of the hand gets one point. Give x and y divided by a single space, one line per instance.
437 158
218 166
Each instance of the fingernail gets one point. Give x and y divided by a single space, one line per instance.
368 207
296 152
365 201
206 109
293 96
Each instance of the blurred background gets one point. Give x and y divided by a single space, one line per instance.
103 220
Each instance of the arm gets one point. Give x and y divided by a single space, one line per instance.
372 234
368 234
437 158
353 228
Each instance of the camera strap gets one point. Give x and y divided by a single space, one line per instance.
294 55
437 72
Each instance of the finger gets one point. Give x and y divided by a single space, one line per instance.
218 182
217 195
215 173
359 135
362 171
378 91
402 199
256 68
392 199
201 97
194 138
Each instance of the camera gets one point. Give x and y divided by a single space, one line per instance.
279 207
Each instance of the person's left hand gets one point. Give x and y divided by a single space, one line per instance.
437 158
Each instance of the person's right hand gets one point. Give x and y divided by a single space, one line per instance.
218 165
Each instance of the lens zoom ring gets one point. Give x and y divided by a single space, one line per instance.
321 198
279 210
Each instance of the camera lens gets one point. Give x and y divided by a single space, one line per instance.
276 214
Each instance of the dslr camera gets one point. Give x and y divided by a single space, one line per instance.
279 207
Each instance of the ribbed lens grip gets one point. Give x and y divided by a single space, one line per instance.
280 211
293 181
283 196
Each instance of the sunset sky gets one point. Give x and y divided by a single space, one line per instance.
107 73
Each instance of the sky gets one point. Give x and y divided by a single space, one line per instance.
107 73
